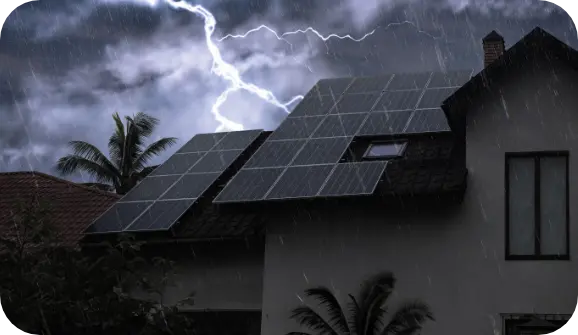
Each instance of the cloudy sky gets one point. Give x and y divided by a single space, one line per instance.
67 65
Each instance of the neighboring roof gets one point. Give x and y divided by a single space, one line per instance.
71 207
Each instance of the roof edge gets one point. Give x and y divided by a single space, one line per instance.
63 181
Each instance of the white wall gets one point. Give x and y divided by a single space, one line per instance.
453 261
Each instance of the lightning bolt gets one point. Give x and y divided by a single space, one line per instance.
231 74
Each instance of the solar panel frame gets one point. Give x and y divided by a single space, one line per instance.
409 81
150 189
178 164
202 142
105 219
398 100
314 104
190 186
296 128
275 154
450 79
434 97
237 140
215 161
163 219
356 103
300 182
333 86
369 84
427 121
322 151
249 185
385 123
355 178
338 125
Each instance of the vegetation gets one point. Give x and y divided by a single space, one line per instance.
50 290
366 313
128 155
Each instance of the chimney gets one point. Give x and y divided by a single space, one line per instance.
494 47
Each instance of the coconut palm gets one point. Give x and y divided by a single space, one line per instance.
367 313
128 154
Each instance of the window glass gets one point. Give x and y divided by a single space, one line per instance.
521 206
553 205
384 150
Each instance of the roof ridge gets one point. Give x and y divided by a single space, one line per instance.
63 181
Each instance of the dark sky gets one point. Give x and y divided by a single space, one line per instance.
67 65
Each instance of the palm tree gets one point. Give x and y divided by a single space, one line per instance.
366 314
128 155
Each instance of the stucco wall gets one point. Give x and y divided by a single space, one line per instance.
222 275
454 261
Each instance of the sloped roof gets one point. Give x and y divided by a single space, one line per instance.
71 207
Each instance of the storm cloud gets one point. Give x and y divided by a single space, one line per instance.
66 66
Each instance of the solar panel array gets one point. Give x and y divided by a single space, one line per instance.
160 199
301 158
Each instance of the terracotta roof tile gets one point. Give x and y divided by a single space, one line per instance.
71 207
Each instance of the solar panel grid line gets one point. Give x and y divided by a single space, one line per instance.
107 212
305 182
326 180
202 186
408 122
168 216
364 172
314 155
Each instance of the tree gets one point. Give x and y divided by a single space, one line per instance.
366 313
52 290
128 155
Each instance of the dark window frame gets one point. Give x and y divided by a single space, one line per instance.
367 157
536 155
511 322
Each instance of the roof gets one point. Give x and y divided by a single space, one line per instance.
71 207
537 42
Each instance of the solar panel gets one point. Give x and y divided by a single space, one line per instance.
428 120
355 103
369 84
296 128
178 164
357 178
314 104
249 185
275 154
216 161
161 215
116 218
150 188
322 151
408 81
434 97
191 186
333 87
398 100
202 142
340 125
300 182
450 79
385 123
238 140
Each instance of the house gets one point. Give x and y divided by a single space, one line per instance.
460 184
69 208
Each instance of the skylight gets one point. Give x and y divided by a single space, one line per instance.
378 150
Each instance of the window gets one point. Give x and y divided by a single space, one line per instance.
378 150
533 324
537 211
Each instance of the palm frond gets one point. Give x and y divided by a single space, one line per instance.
145 172
329 301
410 317
116 141
93 154
73 163
374 293
145 123
356 323
307 317
153 150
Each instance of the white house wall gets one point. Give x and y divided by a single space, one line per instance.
453 261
